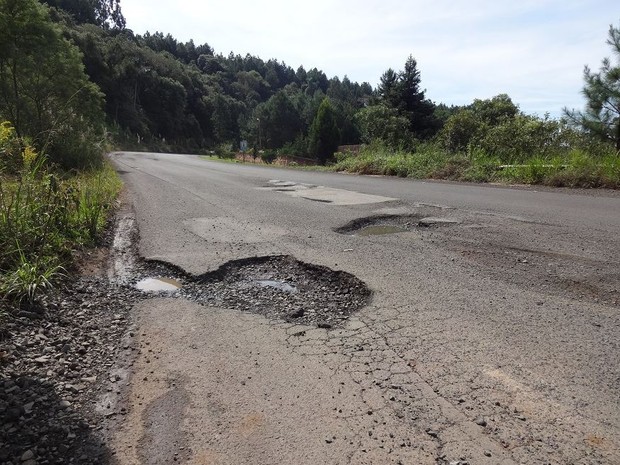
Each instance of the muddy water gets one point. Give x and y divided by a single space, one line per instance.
158 285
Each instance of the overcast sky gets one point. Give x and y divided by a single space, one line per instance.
533 50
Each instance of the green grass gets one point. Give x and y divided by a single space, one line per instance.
44 217
430 161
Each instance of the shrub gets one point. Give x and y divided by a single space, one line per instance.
44 215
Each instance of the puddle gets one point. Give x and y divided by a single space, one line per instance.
279 285
379 230
158 285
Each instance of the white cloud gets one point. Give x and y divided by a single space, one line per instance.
533 50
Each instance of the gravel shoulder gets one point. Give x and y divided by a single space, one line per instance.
58 364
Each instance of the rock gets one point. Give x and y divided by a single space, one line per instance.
64 404
28 407
28 455
42 359
480 421
488 453
297 314
432 433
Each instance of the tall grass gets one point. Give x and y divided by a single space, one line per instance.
44 216
575 168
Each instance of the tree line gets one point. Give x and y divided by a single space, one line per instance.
71 72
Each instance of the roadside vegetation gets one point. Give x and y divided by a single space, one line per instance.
55 187
46 215
492 141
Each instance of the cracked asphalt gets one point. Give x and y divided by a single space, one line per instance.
490 339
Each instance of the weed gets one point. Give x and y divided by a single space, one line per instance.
44 215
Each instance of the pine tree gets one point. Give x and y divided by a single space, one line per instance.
602 91
324 134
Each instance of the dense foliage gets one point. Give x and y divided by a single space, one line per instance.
164 93
44 91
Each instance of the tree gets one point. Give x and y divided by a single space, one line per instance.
413 103
279 121
402 91
602 92
471 124
324 135
44 91
104 13
379 122
388 89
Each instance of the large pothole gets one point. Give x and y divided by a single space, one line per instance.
278 287
392 224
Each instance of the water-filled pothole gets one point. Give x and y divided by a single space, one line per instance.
158 285
391 224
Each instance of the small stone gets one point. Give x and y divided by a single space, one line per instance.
432 433
488 453
28 407
480 421
43 359
63 404
28 455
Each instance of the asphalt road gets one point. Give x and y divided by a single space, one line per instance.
491 337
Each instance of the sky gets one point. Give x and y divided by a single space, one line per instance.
532 50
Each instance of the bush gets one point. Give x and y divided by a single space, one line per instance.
268 156
44 215
225 151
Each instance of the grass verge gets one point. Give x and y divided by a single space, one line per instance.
45 215
575 169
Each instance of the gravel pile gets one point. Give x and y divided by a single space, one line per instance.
55 363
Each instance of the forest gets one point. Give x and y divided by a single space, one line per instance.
151 91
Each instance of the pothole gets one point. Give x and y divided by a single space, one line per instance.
392 224
380 230
281 287
277 287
